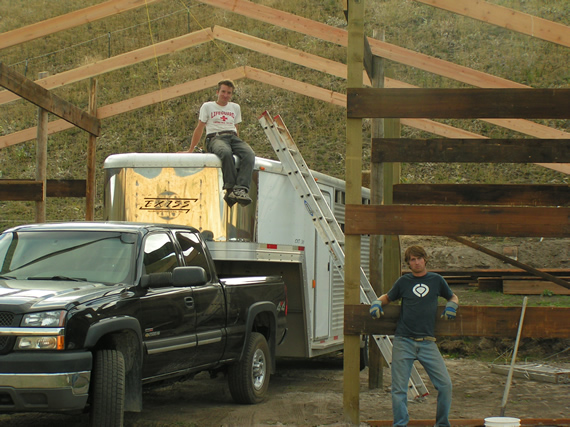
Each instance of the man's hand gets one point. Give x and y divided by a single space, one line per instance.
376 309
450 311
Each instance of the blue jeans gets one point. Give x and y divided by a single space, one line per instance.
225 146
404 352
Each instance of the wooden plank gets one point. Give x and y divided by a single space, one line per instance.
558 422
532 287
488 284
66 188
69 20
470 150
457 221
458 103
512 261
476 321
21 190
511 19
537 372
351 349
27 89
483 194
29 190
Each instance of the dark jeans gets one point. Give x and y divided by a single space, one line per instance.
225 146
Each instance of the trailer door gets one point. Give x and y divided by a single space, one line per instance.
323 280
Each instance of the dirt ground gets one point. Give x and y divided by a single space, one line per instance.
310 393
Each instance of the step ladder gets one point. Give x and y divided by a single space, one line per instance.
326 225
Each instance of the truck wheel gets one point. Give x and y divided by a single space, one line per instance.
249 378
107 389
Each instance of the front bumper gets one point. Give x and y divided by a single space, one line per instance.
46 382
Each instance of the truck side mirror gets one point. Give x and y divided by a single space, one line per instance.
189 276
179 277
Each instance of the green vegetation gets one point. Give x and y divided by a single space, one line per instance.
318 127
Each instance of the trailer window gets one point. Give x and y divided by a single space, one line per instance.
193 251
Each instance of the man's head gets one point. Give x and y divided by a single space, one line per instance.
225 91
227 82
416 258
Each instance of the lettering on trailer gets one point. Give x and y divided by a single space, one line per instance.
168 204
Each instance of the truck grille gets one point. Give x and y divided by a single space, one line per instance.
6 319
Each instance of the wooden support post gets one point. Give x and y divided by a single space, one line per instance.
375 364
41 157
391 265
91 189
355 60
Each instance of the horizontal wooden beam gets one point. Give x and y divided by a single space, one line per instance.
482 194
27 89
458 103
28 190
470 150
475 321
457 221
69 20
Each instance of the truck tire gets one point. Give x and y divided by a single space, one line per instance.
107 389
249 378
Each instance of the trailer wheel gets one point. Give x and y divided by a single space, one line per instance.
249 378
108 389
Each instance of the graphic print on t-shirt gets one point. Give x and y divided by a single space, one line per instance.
421 290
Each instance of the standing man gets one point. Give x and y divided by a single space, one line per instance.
221 118
414 338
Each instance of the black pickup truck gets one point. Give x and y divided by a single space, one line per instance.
90 312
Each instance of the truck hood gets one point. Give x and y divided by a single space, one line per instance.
33 295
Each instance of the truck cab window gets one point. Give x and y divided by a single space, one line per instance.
159 254
193 252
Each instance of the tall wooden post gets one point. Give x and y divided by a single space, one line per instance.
41 157
391 258
355 64
91 188
375 372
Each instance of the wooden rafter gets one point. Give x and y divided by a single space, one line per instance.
506 18
69 20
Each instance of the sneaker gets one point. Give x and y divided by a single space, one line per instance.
230 197
241 196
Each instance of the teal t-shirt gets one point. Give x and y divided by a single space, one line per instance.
419 297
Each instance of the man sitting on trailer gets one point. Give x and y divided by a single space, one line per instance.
414 338
221 118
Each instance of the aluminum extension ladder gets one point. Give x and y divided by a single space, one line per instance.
326 225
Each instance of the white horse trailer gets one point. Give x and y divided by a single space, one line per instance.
273 235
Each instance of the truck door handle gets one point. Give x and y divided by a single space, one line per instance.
189 301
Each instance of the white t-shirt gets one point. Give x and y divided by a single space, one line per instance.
218 118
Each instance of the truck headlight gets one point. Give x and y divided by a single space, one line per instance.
41 331
44 319
39 343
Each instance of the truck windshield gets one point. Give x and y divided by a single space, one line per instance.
105 257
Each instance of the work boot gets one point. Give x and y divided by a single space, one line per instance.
230 197
241 196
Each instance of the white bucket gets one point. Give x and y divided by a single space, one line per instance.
502 422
